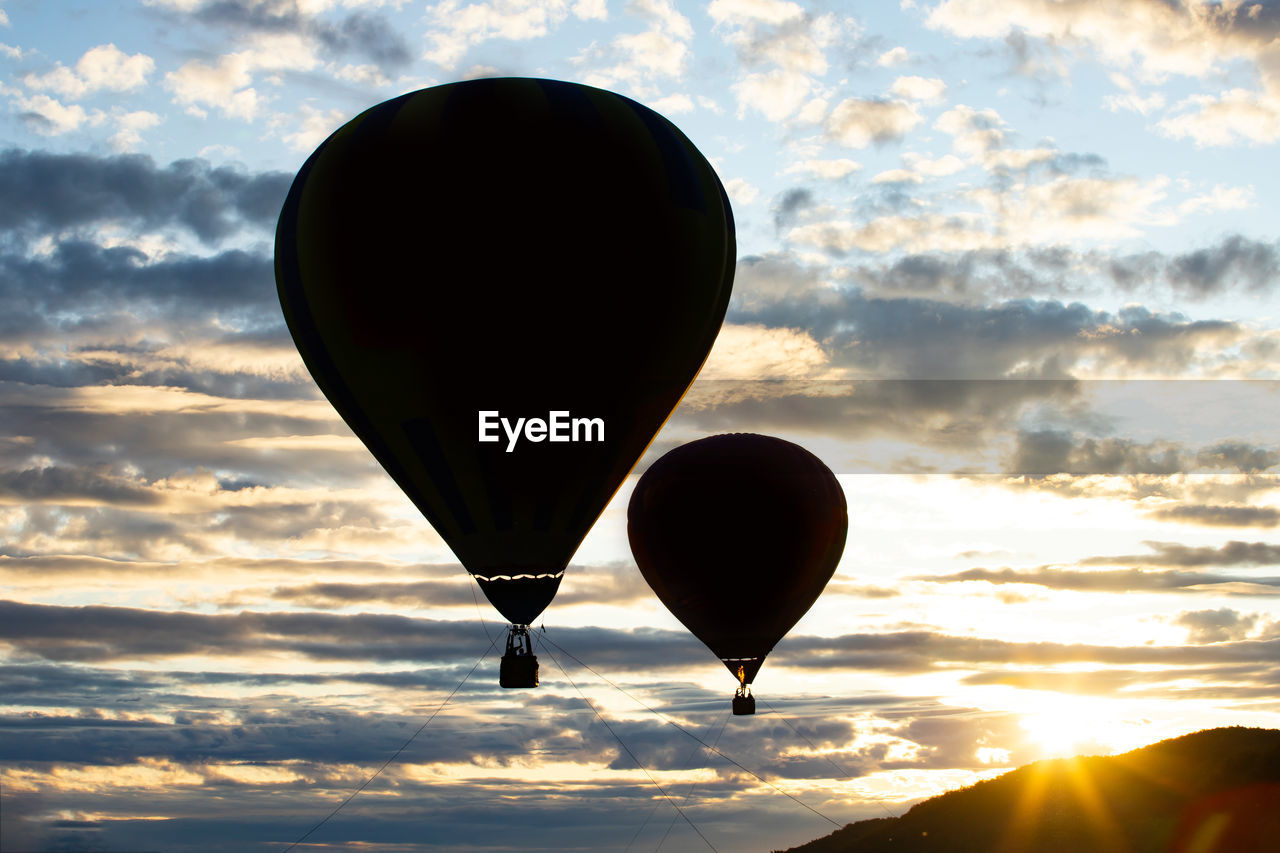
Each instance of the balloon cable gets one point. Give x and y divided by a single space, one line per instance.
479 613
590 705
672 722
687 794
395 754
843 773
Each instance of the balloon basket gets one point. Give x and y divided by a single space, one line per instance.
519 664
744 703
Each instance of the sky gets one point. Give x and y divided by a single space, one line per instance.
1008 269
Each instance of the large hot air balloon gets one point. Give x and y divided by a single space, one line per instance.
738 535
504 286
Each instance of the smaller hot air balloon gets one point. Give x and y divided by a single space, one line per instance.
738 535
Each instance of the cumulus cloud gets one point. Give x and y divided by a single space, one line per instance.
775 94
1057 211
973 132
102 68
782 34
1153 40
458 26
1234 116
42 190
227 84
1233 265
641 59
1233 553
826 169
1121 580
1218 515
1045 452
929 90
858 122
893 56
360 33
924 338
1216 626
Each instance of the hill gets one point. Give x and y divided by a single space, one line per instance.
1214 791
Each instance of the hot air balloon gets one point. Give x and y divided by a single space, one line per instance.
504 286
738 535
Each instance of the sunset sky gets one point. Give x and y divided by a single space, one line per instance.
1009 269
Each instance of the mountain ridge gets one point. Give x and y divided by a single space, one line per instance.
1212 791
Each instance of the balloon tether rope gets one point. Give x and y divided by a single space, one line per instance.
672 722
843 773
394 755
689 793
621 743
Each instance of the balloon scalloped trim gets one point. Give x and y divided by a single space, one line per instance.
543 576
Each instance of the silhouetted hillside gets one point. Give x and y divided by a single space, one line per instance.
1215 791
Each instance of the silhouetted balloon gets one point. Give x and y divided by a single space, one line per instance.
738 535
517 246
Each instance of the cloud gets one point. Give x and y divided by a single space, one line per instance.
131 125
227 84
1246 458
963 419
973 132
43 190
592 585
1156 38
929 90
98 633
102 68
924 651
358 33
458 27
948 164
831 170
49 117
858 122
742 12
781 34
1118 581
741 191
893 56
897 176
91 282
640 59
1233 553
1044 452
69 485
1236 263
928 339
1054 210
775 94
1041 453
1234 116
1216 626
1217 515
315 127
755 352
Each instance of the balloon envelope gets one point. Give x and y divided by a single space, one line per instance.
515 246
738 535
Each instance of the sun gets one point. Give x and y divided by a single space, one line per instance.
1063 724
